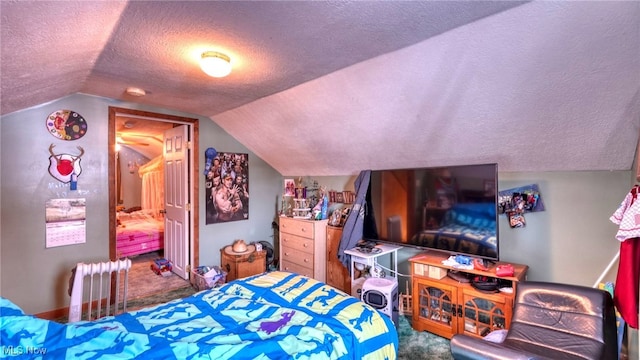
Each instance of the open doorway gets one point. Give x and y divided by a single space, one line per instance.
139 136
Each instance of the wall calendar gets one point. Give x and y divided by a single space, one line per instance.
65 222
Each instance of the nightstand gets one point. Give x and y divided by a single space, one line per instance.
241 266
370 260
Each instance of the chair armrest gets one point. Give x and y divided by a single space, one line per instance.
464 347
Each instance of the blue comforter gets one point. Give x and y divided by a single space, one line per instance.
276 315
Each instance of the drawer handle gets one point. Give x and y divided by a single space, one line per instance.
286 253
305 245
306 260
303 230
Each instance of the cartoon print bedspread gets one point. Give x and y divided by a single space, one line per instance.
277 315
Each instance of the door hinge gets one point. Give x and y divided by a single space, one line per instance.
188 206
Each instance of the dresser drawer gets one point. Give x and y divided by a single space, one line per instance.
299 257
295 268
288 241
300 228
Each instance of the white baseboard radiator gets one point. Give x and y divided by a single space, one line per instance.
98 290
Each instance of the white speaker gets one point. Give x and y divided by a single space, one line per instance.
382 294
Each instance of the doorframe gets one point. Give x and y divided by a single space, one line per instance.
194 231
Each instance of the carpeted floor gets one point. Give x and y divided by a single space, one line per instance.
144 282
417 345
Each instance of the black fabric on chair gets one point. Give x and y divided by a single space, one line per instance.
551 321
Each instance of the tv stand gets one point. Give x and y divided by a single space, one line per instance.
445 306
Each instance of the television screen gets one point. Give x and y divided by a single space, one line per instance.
452 208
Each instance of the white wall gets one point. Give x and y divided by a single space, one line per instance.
573 240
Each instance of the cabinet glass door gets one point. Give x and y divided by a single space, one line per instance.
483 314
435 304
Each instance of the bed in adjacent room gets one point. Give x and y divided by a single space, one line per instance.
138 232
268 316
140 229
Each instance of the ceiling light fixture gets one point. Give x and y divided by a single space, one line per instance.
134 91
215 64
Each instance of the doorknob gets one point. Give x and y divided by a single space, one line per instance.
163 211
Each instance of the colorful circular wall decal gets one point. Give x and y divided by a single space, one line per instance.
66 125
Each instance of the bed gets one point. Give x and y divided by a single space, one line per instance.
138 232
466 228
276 315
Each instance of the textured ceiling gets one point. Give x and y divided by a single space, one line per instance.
329 88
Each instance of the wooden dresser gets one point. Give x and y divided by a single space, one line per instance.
337 274
303 247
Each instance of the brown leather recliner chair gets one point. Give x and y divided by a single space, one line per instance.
551 321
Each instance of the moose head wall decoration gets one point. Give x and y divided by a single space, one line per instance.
65 167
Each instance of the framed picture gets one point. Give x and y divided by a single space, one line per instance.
289 187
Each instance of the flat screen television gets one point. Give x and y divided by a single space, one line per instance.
448 208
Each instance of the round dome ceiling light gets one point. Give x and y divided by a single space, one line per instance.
215 64
134 91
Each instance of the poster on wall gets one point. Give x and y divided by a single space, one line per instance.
517 201
521 199
65 222
227 186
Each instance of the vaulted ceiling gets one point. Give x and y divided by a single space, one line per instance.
330 88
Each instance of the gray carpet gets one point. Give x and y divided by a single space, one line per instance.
144 282
415 345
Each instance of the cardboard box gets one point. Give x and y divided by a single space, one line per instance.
436 272
419 269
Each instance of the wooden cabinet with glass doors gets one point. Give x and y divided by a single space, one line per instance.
444 306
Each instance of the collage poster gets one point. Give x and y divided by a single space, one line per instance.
227 186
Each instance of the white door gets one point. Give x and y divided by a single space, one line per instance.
176 193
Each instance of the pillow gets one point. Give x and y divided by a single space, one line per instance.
496 336
140 215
